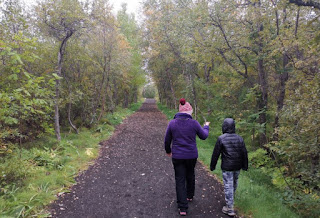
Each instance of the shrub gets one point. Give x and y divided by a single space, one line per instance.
26 100
14 170
259 158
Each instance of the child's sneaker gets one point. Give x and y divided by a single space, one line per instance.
228 210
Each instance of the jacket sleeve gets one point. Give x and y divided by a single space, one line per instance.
244 157
202 132
215 154
167 140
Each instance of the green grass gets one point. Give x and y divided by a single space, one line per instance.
168 112
255 196
48 168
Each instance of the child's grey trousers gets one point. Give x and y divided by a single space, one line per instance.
230 181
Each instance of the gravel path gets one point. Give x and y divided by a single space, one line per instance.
134 178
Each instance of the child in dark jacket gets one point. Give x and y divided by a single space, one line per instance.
234 158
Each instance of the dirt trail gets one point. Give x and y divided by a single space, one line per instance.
134 178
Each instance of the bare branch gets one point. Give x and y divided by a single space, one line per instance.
230 47
309 3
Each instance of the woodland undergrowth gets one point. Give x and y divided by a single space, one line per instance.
34 176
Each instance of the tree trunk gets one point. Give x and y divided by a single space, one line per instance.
307 3
69 107
102 94
109 92
315 163
283 78
207 79
111 108
103 103
56 106
135 97
263 101
173 95
56 112
115 92
194 94
126 99
69 118
160 95
57 97
106 76
297 23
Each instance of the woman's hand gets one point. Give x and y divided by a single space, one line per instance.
207 123
169 154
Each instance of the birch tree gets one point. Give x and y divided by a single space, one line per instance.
60 20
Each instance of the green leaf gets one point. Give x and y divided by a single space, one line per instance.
17 58
11 120
27 74
56 76
26 92
13 77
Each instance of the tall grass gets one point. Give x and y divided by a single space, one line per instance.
255 196
49 168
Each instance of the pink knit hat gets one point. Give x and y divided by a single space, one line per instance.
185 107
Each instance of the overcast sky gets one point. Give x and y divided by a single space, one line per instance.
133 5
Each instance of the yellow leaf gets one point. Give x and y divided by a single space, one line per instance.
315 197
52 155
89 152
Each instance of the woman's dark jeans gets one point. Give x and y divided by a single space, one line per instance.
185 180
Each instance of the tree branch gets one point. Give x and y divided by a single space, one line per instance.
309 3
231 48
231 65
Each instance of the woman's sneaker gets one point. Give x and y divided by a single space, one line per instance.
228 210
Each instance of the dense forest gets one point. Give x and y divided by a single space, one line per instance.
256 61
76 60
65 64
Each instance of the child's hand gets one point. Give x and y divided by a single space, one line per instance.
207 123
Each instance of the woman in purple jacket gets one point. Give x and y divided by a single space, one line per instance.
182 132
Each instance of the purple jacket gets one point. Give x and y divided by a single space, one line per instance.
182 131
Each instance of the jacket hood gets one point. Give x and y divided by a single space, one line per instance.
228 126
182 116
